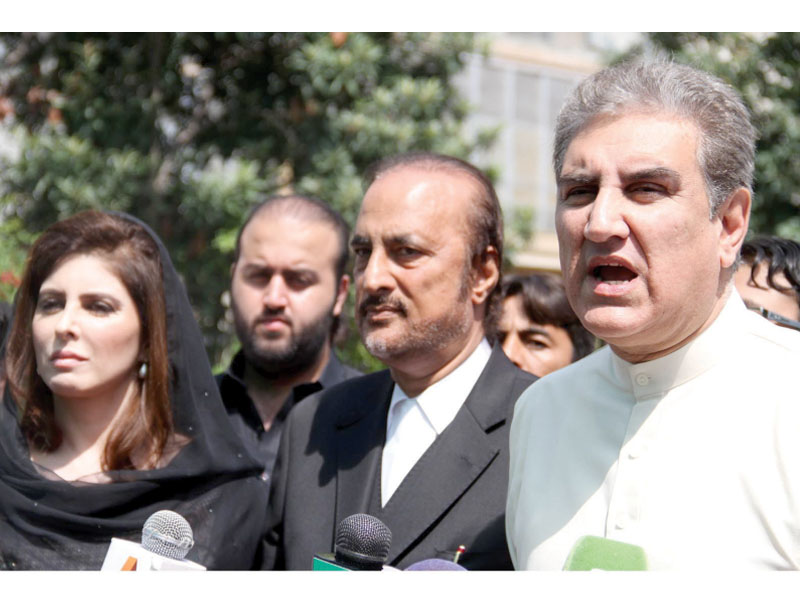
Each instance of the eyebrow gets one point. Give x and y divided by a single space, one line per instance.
83 296
45 290
535 331
359 240
107 296
655 173
394 240
576 179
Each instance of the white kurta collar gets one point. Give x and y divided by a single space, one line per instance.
656 377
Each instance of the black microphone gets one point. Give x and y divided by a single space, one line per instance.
362 544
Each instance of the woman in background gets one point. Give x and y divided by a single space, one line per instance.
111 411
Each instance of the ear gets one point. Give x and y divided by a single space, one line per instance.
485 275
341 295
734 217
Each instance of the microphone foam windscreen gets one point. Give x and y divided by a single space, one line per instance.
167 534
435 564
362 541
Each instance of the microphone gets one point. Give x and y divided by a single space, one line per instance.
435 564
592 553
362 544
166 539
167 534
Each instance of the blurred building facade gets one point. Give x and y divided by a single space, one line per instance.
520 87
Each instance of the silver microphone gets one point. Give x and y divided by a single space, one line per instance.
167 534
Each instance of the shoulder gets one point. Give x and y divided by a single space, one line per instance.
770 337
561 390
504 377
352 396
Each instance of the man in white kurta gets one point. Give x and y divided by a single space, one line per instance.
682 435
694 456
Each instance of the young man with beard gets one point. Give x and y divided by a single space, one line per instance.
423 446
288 288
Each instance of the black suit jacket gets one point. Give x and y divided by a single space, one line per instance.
330 457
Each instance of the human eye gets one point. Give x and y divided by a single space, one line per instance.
100 306
300 280
407 252
646 191
362 253
536 342
579 194
49 303
257 276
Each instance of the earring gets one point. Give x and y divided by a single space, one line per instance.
143 370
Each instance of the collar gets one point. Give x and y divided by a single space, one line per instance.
656 377
333 373
441 401
236 369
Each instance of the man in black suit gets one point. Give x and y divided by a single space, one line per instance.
424 445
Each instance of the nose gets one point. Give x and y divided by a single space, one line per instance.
66 325
513 349
375 274
606 217
275 294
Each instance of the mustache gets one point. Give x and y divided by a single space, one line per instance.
269 314
382 300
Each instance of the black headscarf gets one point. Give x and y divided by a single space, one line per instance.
49 523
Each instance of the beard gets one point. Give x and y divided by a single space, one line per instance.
417 337
284 358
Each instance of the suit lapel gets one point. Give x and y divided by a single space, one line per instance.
359 442
454 461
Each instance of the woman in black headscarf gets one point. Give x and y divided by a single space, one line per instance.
111 412
5 317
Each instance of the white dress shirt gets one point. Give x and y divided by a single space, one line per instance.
694 456
412 424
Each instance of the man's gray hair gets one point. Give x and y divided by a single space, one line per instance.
726 150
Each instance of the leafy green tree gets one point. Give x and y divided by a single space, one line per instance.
766 71
188 130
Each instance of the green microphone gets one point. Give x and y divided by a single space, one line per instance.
592 553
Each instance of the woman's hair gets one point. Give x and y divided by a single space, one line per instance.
545 302
145 427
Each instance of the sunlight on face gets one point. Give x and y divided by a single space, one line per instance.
86 330
534 347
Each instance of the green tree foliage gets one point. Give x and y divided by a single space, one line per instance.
766 71
188 130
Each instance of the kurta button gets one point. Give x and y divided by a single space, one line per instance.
622 521
642 379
